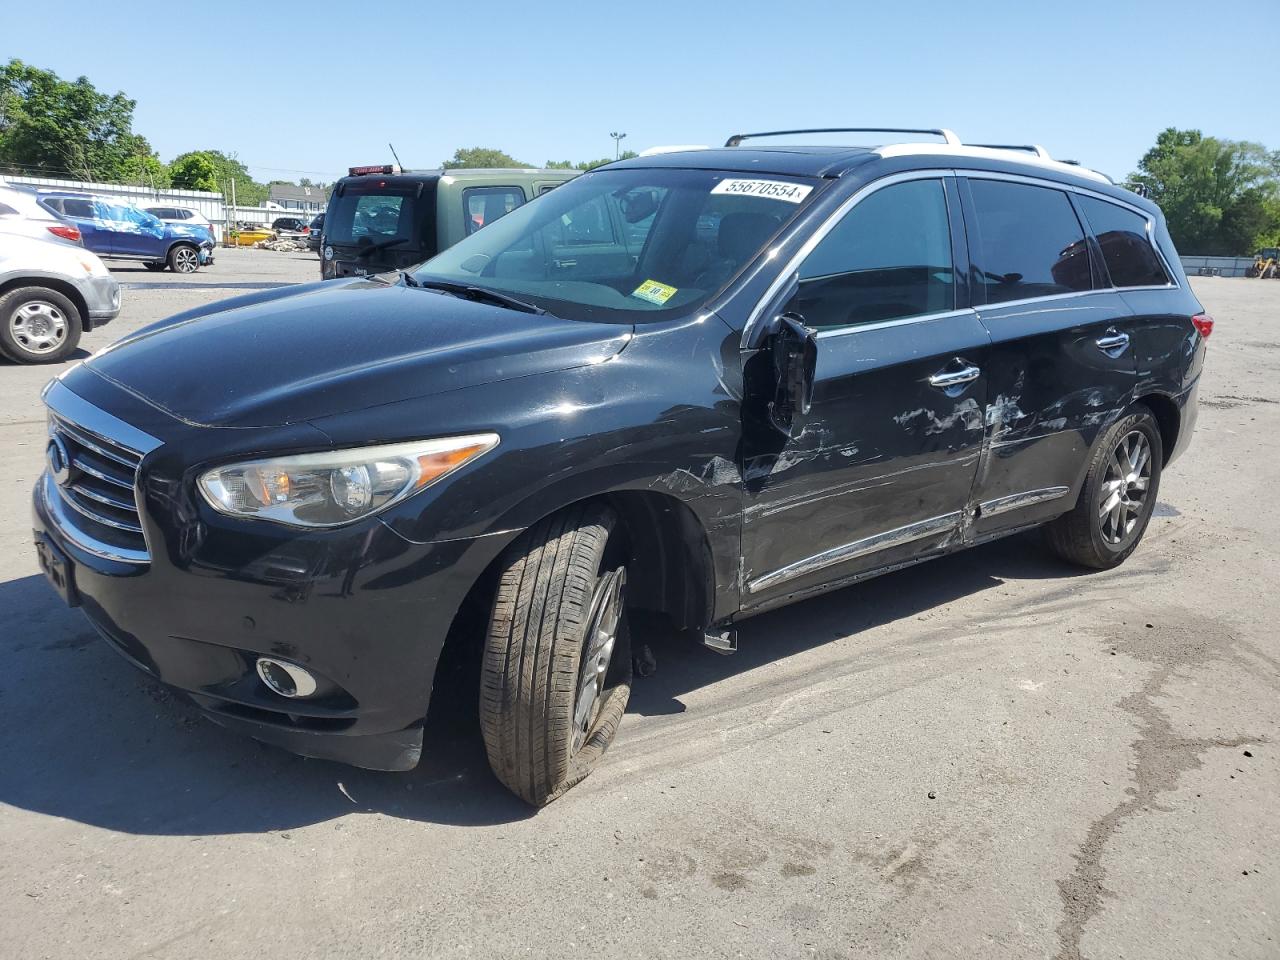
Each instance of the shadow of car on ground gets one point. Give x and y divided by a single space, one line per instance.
92 740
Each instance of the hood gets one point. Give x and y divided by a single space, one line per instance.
335 347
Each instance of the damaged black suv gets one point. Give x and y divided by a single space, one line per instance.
700 384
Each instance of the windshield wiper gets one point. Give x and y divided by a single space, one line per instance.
481 295
375 247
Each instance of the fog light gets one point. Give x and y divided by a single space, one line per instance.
287 679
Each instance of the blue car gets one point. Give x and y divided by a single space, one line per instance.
117 231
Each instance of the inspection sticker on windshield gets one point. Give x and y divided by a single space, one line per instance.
769 189
654 292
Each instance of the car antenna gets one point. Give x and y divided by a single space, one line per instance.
396 155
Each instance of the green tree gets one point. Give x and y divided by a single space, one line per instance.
227 168
1217 195
64 128
481 157
194 171
142 166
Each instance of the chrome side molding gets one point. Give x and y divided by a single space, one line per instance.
858 548
1016 501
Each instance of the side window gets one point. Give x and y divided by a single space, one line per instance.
482 205
1122 234
1031 242
888 259
75 207
588 224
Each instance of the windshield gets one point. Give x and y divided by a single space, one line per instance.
626 244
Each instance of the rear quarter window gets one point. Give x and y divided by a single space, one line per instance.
484 205
1031 243
1126 245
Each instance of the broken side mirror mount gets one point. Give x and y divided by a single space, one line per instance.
794 350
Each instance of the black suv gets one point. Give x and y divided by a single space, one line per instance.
697 384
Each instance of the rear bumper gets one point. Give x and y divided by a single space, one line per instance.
1188 403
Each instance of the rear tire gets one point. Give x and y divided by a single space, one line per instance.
38 325
1118 496
556 673
184 258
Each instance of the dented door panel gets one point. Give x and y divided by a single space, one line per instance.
881 468
1053 389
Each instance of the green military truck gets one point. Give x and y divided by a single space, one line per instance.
382 218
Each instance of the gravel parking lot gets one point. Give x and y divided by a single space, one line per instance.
991 755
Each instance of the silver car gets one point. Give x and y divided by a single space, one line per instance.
50 292
21 214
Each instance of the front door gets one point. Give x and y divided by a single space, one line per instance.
880 470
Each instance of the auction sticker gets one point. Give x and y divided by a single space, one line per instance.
769 189
654 292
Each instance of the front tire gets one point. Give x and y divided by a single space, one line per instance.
184 259
556 673
1119 494
38 325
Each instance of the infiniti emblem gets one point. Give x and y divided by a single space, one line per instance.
59 461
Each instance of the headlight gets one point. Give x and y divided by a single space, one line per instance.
329 489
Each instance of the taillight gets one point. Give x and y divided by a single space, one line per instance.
1203 324
66 232
306 230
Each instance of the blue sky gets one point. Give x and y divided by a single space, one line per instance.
309 89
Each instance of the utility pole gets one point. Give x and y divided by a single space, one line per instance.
617 144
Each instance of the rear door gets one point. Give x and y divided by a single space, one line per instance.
1062 364
86 214
885 462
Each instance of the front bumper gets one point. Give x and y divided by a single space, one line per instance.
101 296
360 607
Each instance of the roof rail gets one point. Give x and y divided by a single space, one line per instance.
946 135
1035 148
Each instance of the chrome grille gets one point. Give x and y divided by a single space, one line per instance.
100 487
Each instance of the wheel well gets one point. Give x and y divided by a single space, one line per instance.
1168 419
671 571
53 283
670 574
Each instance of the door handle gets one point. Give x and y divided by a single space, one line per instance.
954 378
1113 343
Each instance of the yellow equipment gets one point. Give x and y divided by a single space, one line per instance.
1266 264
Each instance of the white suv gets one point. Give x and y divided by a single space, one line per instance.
182 215
21 214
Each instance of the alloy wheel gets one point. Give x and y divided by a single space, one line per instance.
1125 487
38 327
186 260
598 643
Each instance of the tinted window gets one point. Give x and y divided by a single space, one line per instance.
1031 243
1122 234
74 207
376 214
483 205
889 258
